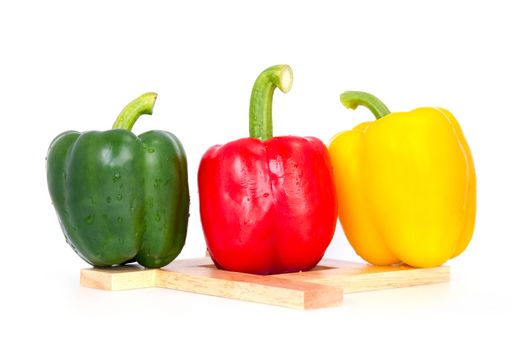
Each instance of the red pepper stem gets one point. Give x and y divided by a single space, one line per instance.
261 105
141 105
353 99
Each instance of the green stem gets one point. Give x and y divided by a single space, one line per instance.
260 107
353 99
129 115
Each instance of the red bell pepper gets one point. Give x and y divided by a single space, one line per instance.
267 204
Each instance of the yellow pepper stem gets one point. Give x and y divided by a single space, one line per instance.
353 99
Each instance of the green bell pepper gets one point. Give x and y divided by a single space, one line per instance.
120 197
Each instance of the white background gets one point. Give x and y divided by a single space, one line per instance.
70 65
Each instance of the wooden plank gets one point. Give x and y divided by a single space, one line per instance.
118 277
261 289
321 287
355 277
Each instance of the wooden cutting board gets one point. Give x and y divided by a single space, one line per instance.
324 286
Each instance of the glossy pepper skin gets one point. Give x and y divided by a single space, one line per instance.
121 197
267 204
406 185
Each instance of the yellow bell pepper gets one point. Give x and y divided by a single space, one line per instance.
406 185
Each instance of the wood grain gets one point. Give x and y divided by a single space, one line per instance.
323 286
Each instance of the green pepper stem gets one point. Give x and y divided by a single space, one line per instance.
141 105
353 99
260 107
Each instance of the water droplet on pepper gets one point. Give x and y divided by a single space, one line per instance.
89 219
